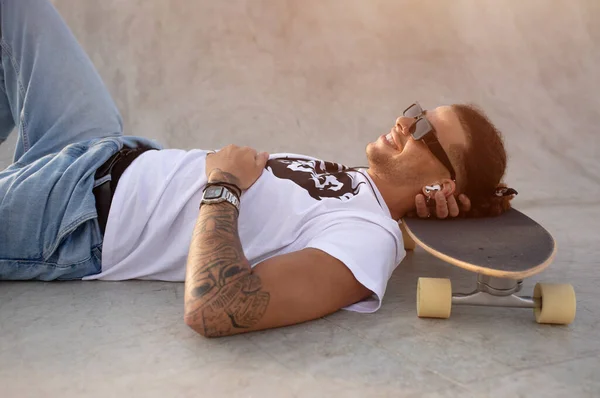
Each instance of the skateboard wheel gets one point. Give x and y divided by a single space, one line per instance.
555 303
434 298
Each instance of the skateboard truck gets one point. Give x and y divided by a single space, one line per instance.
551 303
495 292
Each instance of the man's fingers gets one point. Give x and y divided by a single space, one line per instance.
465 203
421 205
441 205
452 206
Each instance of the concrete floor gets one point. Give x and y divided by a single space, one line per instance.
324 78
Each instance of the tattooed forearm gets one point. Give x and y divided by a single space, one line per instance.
222 296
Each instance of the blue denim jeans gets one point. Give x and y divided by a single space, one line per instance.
67 126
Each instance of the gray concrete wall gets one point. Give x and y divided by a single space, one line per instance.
326 77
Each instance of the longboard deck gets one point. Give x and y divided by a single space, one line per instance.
509 246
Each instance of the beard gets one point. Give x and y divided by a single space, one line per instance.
396 169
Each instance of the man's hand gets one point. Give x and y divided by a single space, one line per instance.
236 165
441 207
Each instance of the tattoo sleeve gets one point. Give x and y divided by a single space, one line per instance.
222 296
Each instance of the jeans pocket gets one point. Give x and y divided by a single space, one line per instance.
97 258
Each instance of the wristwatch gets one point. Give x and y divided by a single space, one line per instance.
219 194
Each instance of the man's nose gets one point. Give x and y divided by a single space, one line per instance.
403 124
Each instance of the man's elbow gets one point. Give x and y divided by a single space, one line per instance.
195 326
202 328
194 320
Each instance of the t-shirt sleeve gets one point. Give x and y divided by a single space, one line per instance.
370 251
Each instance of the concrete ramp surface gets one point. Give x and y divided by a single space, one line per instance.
324 78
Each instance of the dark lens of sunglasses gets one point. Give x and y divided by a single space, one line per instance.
420 129
413 111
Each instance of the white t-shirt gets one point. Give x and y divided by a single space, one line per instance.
298 202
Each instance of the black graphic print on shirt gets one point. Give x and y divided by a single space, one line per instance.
319 178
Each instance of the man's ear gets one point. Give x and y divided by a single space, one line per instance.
447 186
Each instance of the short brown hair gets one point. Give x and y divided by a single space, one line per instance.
483 163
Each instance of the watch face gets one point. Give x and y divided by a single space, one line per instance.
213 192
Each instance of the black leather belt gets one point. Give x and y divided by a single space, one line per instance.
115 166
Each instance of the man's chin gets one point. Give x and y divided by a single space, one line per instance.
371 151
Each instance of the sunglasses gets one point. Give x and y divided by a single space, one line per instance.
421 129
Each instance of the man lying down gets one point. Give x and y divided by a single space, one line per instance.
261 241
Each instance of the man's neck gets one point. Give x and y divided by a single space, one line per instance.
399 199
